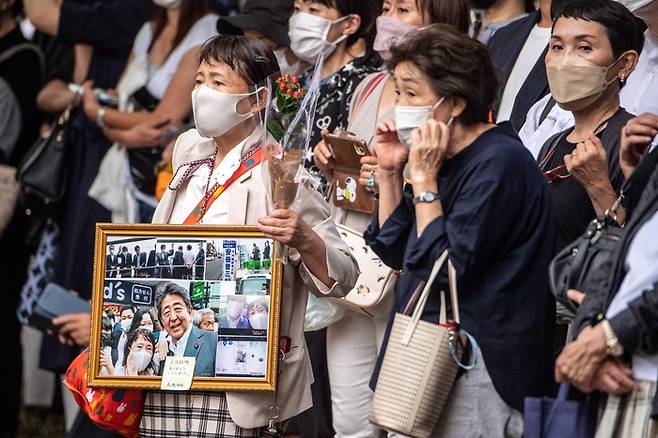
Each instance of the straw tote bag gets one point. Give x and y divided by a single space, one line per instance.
420 364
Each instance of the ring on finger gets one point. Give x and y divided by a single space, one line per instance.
371 180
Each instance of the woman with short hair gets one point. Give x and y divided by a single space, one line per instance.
230 94
479 195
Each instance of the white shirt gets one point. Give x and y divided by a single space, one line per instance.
121 345
188 257
532 49
178 348
641 275
190 194
640 95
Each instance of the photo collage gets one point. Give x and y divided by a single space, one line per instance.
202 297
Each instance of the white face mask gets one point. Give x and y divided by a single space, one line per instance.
148 327
284 67
408 118
308 36
259 321
168 4
140 359
234 309
125 324
216 112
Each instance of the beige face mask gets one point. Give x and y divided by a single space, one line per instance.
575 82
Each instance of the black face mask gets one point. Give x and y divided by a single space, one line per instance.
482 4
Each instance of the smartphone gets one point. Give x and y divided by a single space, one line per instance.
103 97
56 301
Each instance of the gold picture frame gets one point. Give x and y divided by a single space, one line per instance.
234 273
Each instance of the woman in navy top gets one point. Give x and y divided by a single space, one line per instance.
479 194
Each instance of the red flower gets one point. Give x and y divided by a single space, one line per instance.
294 80
289 92
282 87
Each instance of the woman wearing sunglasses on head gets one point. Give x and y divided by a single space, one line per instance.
593 49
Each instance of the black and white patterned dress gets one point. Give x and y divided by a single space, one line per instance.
332 109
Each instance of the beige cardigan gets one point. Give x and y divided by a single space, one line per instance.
248 200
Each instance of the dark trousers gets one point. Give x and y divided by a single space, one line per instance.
316 422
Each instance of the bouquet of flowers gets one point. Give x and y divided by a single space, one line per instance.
284 164
289 121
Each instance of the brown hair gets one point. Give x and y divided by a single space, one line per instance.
190 12
457 66
454 12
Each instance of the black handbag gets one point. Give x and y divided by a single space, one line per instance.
575 265
42 173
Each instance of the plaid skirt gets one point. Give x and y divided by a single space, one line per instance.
194 415
629 415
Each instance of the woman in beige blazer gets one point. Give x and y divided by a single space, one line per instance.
227 102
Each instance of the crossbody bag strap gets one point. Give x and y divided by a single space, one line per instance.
366 93
253 158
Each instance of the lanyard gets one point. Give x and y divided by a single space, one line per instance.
252 159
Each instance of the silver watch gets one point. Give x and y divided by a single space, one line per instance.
426 197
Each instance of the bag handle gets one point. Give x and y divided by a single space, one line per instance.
422 301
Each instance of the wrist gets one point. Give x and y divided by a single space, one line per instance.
100 117
424 185
599 188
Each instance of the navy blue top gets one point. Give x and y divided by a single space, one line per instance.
498 227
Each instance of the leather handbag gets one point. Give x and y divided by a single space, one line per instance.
575 265
375 288
42 173
420 364
55 301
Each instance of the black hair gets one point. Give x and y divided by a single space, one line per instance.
106 324
124 308
248 57
172 289
137 319
457 66
368 10
625 31
189 247
163 246
132 337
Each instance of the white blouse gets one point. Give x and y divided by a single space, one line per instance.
191 193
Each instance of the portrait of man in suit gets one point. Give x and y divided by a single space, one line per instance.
139 262
111 263
162 261
125 260
183 338
199 263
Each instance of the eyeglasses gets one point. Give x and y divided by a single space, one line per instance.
557 174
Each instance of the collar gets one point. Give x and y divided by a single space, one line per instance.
183 340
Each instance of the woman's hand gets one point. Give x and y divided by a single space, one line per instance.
74 328
106 362
162 348
287 227
429 145
89 101
391 154
588 163
636 137
324 159
131 369
614 378
368 172
580 360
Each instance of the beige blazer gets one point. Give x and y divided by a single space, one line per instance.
248 200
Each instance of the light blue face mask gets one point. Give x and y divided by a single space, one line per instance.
409 118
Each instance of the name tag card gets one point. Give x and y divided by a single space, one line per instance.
178 373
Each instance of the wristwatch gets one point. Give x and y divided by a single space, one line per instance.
612 345
426 197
